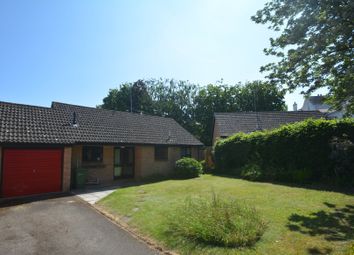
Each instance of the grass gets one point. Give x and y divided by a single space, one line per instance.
216 221
299 220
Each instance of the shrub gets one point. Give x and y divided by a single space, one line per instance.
251 172
207 168
217 221
188 168
303 152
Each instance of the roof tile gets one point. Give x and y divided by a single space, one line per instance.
33 124
234 122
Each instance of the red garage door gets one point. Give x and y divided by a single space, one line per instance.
31 171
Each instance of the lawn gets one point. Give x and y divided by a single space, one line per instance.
300 221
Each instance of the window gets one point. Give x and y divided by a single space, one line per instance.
186 152
92 153
161 153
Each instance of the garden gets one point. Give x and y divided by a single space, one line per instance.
285 191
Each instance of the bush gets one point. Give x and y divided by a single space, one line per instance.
188 168
251 172
303 152
217 221
206 168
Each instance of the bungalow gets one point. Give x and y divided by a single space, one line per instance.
41 146
229 123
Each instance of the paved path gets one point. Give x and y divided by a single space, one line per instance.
93 195
63 225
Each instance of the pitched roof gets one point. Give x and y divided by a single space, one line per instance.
33 124
315 103
234 122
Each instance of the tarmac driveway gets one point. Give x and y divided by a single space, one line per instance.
63 225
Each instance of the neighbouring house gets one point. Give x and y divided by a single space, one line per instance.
227 124
317 103
40 147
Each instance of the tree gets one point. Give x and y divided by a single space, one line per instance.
129 97
261 96
174 99
253 96
193 106
315 47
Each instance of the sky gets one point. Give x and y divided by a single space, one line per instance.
75 51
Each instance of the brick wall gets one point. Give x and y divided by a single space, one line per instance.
101 170
0 163
216 133
146 165
67 169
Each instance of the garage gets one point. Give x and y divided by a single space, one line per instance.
31 171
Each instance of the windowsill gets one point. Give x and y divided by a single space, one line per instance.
161 160
93 164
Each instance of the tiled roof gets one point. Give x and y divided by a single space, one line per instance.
231 123
32 124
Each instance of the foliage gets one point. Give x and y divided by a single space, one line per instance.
251 96
128 97
315 46
342 153
193 106
251 172
222 222
188 168
299 152
174 99
207 167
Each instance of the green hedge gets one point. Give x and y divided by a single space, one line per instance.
304 152
188 168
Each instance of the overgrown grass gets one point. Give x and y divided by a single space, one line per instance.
218 221
299 220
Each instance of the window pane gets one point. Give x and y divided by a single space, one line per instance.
186 152
131 154
92 153
117 171
117 156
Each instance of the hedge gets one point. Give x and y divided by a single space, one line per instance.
188 168
309 151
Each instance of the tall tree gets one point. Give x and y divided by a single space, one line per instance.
174 99
211 99
129 97
261 96
192 106
315 46
252 96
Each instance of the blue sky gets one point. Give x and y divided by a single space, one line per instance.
74 51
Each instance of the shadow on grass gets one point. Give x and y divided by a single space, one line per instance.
319 251
150 180
314 186
337 224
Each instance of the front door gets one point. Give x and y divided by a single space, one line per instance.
123 162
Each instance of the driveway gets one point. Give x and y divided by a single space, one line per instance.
63 225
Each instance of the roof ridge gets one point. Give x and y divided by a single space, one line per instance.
248 112
26 105
108 110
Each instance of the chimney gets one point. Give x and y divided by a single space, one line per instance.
295 107
75 123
